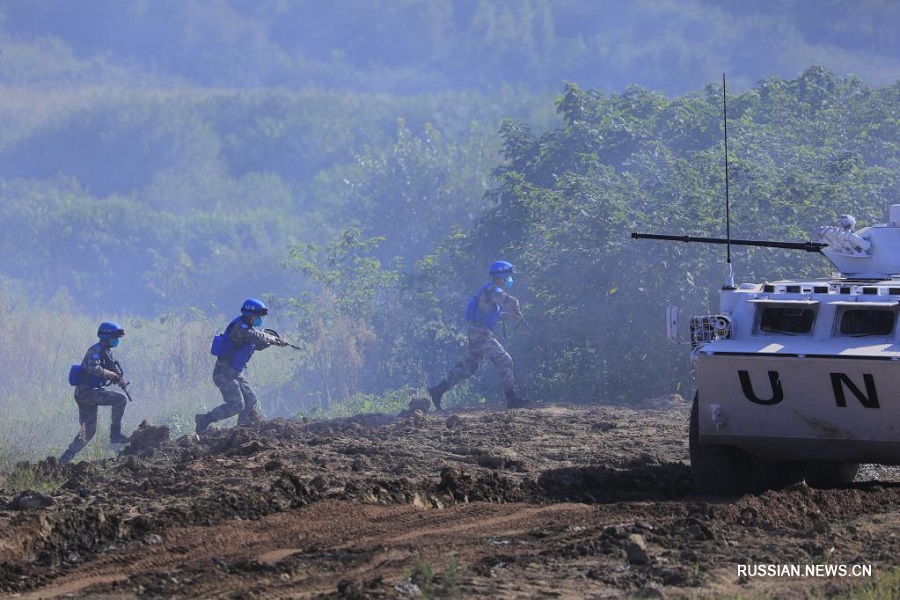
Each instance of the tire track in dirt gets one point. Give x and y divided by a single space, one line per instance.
388 541
324 526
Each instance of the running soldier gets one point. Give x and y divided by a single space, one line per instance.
487 308
233 350
91 379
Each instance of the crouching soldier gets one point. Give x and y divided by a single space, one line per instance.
487 308
92 379
233 350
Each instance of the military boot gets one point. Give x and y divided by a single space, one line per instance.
250 418
437 392
514 400
115 427
116 437
201 422
67 456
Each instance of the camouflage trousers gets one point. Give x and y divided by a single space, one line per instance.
88 400
239 398
483 345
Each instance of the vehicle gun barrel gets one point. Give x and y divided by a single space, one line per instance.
808 246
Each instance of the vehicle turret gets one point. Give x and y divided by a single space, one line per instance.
870 253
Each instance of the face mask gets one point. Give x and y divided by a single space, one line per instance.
508 283
257 321
113 342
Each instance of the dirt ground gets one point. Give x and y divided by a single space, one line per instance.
548 502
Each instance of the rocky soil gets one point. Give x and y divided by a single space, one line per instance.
554 501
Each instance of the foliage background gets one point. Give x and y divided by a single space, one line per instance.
358 165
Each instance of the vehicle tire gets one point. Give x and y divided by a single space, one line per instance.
773 475
717 469
830 474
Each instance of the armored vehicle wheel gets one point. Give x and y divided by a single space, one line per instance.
829 474
726 470
716 469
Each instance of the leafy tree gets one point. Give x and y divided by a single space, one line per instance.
419 188
335 319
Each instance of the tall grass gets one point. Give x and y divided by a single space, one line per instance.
167 361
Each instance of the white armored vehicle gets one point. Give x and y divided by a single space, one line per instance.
800 379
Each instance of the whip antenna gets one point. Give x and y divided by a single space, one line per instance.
729 272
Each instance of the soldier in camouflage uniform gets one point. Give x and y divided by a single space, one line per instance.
487 308
97 371
241 339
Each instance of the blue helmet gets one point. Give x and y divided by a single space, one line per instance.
109 330
501 268
252 306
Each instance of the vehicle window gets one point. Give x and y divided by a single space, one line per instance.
867 321
786 319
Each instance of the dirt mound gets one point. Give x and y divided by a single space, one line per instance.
146 439
556 500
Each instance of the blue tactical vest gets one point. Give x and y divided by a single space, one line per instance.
223 347
475 315
78 375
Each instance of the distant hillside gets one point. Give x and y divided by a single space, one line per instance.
426 46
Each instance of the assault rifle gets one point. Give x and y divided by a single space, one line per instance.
117 368
519 322
275 334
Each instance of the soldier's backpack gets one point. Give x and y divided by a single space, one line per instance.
221 345
75 372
